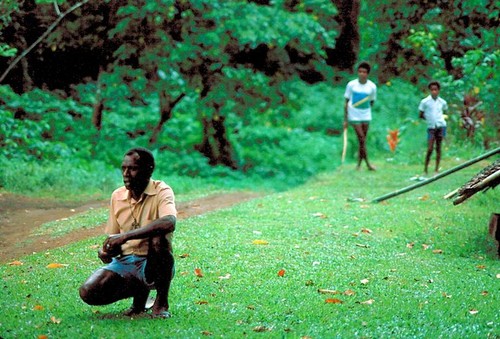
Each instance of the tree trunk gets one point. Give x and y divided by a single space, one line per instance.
215 144
345 53
166 108
98 105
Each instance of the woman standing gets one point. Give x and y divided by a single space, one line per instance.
360 94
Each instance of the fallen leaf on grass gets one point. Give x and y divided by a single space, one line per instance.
473 312
437 251
260 242
201 302
184 255
281 273
363 245
349 292
445 295
425 247
207 333
367 302
366 230
365 281
225 277
410 245
333 301
55 320
481 267
319 215
484 293
56 265
197 272
326 291
424 197
38 308
16 263
262 329
42 336
498 276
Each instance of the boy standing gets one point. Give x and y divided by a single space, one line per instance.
431 109
360 94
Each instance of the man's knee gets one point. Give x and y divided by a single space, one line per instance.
87 294
93 290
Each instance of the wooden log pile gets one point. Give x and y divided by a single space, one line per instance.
487 178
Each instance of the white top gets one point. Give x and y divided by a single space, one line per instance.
433 111
355 92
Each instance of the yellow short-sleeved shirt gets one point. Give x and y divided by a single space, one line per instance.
156 202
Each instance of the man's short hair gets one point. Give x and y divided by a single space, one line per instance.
365 65
146 158
434 83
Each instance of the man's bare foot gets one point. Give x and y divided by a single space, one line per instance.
133 311
372 168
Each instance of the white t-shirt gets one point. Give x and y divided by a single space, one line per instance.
355 92
433 111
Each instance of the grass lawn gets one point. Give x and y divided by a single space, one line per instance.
318 261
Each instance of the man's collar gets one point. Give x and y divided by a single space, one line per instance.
124 193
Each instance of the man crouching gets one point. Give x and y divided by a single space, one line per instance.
138 250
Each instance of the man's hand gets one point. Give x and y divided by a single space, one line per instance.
104 256
113 245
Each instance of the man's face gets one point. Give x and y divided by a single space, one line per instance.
362 75
134 177
434 91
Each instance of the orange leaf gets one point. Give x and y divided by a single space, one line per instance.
281 273
260 242
207 333
184 255
42 336
38 308
481 267
197 272
56 265
15 263
333 301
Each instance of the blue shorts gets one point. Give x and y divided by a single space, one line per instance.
132 266
436 133
129 266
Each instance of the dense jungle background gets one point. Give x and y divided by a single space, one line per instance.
233 89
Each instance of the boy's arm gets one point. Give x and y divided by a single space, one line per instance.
421 115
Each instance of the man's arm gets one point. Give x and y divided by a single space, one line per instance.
160 226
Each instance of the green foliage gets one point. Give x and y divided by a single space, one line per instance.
411 267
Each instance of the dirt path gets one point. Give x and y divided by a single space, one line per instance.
20 215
